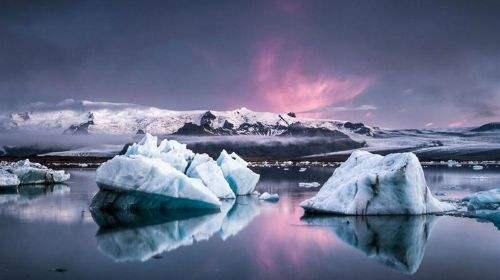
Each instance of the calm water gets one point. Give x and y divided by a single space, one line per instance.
48 233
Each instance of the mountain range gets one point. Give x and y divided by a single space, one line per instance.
34 130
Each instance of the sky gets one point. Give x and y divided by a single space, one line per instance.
396 64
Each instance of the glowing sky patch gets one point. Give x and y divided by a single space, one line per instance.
284 85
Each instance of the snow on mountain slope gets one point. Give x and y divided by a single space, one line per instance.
82 117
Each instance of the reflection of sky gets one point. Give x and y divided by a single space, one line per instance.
457 183
284 238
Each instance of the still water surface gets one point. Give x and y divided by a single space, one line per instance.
49 233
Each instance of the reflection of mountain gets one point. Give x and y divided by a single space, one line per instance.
395 241
128 236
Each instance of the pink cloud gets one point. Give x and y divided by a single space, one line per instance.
283 84
458 123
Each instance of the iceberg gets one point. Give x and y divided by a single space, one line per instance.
485 200
477 167
396 241
206 169
484 205
368 184
30 173
269 197
309 185
145 177
241 179
169 175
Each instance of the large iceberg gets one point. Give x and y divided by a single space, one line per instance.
169 175
397 242
241 179
368 184
206 169
28 172
168 187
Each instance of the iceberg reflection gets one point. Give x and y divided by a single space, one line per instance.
28 193
395 241
138 236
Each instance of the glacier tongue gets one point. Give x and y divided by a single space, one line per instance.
368 184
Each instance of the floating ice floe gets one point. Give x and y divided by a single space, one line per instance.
309 185
397 242
485 206
241 179
453 163
485 200
269 197
302 169
171 176
477 167
24 172
368 184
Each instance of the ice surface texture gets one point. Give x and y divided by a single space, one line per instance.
25 172
368 184
206 169
241 179
485 200
145 175
485 206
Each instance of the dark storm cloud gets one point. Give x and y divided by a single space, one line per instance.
414 62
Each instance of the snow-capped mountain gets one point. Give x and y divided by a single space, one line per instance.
86 117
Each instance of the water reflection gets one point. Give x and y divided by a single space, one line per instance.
395 241
484 216
139 236
29 193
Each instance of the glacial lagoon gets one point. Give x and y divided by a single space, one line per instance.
50 233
